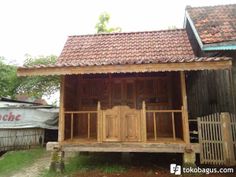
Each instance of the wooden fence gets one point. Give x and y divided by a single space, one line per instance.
11 139
217 138
233 131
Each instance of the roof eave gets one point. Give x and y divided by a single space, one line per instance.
132 68
230 45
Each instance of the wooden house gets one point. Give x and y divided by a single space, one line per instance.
212 32
212 93
126 92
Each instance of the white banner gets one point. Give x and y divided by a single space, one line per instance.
28 118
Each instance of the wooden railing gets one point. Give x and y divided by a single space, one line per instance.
155 117
72 113
155 114
88 113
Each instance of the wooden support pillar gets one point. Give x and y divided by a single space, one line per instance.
57 160
125 157
143 124
184 109
61 123
189 159
227 138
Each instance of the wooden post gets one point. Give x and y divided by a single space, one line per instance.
227 138
99 122
184 108
61 125
143 123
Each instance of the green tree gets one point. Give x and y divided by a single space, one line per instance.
102 25
37 86
8 79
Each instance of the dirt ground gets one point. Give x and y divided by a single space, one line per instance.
138 165
142 173
35 169
148 165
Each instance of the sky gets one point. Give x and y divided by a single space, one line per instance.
41 27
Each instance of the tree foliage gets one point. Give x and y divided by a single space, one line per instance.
8 80
35 86
102 25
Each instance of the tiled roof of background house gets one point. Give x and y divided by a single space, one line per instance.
214 24
127 48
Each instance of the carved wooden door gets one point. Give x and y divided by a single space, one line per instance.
121 123
130 124
111 124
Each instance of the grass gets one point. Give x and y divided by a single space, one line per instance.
13 161
85 163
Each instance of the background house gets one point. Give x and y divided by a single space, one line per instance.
212 32
24 124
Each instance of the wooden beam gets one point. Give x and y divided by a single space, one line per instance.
184 108
130 147
159 67
61 123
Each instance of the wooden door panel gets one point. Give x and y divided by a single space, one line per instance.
130 124
112 132
111 124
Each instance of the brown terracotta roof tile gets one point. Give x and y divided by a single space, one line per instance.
127 48
168 46
162 60
214 23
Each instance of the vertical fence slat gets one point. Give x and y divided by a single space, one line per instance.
72 125
88 125
155 126
173 125
211 140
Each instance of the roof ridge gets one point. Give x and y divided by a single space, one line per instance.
208 6
131 32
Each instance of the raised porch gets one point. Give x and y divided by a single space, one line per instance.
124 112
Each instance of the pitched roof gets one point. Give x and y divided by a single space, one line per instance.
127 48
214 24
134 52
